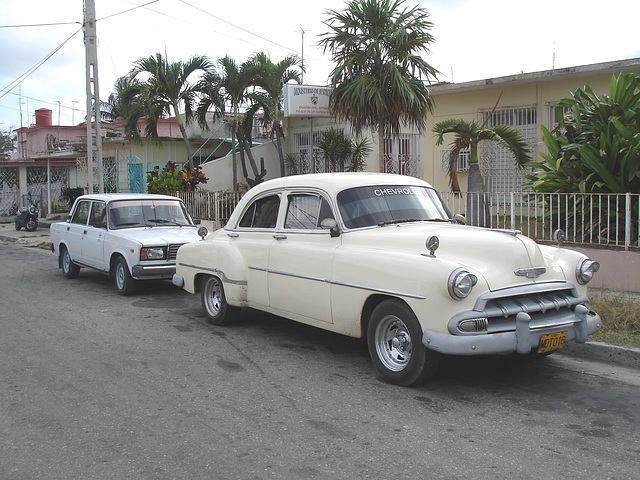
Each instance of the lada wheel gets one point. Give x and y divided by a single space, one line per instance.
215 305
395 344
125 284
69 269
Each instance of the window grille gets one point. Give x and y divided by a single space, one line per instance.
463 160
499 168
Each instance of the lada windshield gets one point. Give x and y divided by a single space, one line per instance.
147 213
386 204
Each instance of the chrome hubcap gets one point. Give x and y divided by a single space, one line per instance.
393 343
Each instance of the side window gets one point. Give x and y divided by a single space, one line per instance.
263 213
98 213
81 214
307 212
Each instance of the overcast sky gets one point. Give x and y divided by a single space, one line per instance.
474 40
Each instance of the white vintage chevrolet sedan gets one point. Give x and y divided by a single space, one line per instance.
380 256
131 237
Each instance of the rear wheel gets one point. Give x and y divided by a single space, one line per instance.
214 303
18 225
69 269
125 284
394 338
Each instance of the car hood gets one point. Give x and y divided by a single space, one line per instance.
494 255
159 235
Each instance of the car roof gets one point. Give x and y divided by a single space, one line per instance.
334 183
110 197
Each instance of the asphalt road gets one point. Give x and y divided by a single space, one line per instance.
99 386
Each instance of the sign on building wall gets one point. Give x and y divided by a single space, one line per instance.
306 101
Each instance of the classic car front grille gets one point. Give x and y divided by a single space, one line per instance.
173 250
548 305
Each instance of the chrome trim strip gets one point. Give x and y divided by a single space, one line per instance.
533 272
342 284
223 277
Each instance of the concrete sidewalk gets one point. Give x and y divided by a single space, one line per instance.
626 357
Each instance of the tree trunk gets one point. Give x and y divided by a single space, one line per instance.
187 144
477 208
234 161
381 147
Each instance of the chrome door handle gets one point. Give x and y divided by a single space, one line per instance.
280 236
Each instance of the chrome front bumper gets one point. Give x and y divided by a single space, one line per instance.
522 340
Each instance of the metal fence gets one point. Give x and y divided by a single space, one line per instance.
611 220
214 206
608 220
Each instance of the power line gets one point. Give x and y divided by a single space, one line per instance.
29 72
41 24
238 27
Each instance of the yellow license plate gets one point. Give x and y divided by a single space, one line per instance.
552 341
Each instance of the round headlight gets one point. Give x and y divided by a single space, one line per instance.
461 283
585 270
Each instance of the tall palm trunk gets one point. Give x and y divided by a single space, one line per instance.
185 138
381 146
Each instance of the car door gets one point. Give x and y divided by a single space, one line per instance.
253 237
301 259
94 236
76 230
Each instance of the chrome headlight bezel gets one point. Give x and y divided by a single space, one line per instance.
153 253
585 270
461 283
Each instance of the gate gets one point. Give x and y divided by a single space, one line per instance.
135 174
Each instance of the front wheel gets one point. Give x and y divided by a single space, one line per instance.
214 303
69 269
125 284
32 224
394 338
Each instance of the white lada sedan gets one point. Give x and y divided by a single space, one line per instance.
131 237
380 256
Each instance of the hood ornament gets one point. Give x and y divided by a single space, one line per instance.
533 272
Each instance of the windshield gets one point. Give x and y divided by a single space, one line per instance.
146 213
384 204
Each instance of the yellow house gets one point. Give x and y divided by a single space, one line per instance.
525 101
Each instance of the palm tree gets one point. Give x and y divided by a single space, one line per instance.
115 108
341 152
164 90
467 136
271 78
379 78
222 89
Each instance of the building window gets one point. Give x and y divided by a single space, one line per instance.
463 160
499 168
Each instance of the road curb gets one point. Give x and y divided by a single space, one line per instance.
603 352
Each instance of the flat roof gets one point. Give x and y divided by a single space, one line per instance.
629 65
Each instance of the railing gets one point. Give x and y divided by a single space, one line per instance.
215 206
608 220
611 220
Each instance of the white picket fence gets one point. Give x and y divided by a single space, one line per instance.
607 220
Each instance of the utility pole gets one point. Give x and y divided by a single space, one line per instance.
94 140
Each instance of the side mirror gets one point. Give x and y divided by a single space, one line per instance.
197 221
331 225
460 219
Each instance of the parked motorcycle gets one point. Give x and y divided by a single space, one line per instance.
27 217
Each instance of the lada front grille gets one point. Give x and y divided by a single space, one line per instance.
173 250
548 305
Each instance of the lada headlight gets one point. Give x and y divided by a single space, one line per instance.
585 270
461 283
152 253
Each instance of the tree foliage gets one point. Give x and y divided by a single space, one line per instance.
468 135
343 153
163 89
596 146
379 78
7 144
174 179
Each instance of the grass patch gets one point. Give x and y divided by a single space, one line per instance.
620 315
